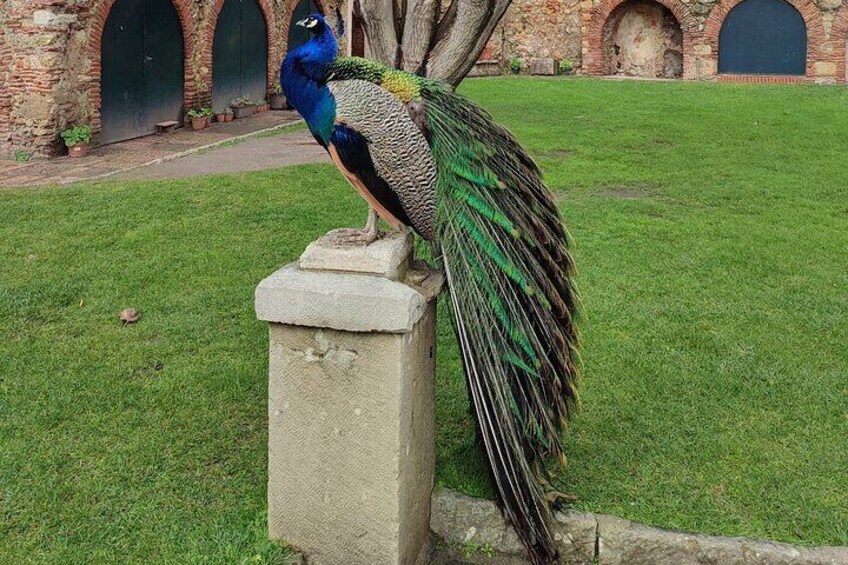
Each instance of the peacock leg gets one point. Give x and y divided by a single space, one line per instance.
368 234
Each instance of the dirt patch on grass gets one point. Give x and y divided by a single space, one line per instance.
622 192
556 153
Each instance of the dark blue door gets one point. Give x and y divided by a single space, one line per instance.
764 37
141 77
239 53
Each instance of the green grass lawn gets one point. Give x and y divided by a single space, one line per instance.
711 224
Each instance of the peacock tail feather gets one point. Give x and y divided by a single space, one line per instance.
504 252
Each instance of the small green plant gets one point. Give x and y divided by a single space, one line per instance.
276 89
21 156
242 102
78 134
566 66
228 111
515 65
199 112
470 549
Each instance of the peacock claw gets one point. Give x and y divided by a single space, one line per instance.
364 236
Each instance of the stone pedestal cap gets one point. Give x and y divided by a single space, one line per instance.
350 287
388 257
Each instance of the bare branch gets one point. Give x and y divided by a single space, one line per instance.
414 35
459 47
417 33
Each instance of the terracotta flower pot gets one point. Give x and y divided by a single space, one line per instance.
220 118
198 123
208 122
78 150
228 117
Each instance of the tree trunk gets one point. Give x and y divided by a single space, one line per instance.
418 36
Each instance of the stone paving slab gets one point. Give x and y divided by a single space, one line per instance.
118 157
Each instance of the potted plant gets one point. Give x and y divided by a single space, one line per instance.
515 65
278 101
198 118
77 139
242 107
228 114
221 115
566 67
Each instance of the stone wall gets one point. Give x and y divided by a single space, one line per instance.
53 80
5 102
575 30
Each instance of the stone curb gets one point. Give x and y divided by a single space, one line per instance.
476 532
187 152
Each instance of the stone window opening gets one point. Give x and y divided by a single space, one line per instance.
642 38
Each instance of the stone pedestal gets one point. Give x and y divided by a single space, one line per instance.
350 402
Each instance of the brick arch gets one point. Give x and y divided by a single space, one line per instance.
271 38
808 10
839 40
99 15
593 48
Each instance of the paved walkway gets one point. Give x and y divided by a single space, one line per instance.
256 154
146 156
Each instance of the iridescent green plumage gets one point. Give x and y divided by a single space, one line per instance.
504 252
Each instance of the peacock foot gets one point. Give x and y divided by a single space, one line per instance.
369 234
364 236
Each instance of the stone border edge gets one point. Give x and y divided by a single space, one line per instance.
475 528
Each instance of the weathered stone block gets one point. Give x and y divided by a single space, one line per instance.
544 66
387 257
460 519
825 68
621 542
576 535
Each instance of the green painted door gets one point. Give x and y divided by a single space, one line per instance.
240 53
142 69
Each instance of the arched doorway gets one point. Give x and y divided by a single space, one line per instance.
763 37
299 35
239 53
142 69
643 38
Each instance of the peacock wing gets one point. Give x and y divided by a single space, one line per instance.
375 140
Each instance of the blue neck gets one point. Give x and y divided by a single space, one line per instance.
301 78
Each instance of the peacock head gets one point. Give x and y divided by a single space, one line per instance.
314 23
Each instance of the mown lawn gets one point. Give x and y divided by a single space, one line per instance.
711 224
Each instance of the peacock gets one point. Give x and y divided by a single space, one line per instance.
425 157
